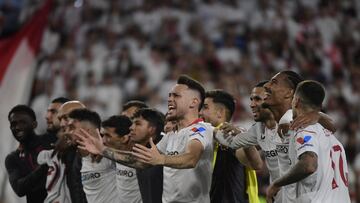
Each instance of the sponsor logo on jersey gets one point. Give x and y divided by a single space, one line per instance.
304 140
271 153
172 153
125 173
90 176
201 129
282 149
198 131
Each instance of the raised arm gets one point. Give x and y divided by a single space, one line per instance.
152 156
230 136
312 118
95 145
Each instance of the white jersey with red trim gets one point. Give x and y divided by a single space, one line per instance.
99 180
56 186
330 181
188 185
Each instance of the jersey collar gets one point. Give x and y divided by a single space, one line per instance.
196 121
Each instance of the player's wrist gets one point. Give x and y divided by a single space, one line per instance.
162 160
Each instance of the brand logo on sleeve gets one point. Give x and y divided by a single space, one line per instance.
304 140
195 130
198 131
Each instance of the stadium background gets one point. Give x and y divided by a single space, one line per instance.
106 52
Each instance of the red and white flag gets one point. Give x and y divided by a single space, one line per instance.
17 69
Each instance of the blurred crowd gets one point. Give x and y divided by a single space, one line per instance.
107 52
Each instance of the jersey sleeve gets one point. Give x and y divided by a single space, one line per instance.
44 156
201 133
162 144
244 139
305 141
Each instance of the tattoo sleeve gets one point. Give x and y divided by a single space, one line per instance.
108 153
306 165
122 157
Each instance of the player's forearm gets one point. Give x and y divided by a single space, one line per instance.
234 142
306 165
253 157
122 157
327 122
182 161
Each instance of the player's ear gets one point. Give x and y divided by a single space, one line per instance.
195 102
289 93
34 124
220 112
296 101
152 130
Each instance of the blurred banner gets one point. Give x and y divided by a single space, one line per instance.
17 68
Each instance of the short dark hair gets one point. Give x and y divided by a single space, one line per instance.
154 117
224 98
20 108
134 103
86 115
293 78
311 93
120 123
194 85
262 83
60 100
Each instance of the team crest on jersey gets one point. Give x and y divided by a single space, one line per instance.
198 131
304 140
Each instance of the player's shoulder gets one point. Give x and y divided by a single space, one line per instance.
310 129
11 157
44 155
200 127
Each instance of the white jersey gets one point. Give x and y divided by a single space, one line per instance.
188 185
329 183
282 148
56 186
266 138
127 184
99 180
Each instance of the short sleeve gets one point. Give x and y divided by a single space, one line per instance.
306 141
202 133
244 139
44 156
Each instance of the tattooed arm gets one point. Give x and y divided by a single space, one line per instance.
95 145
122 157
306 166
